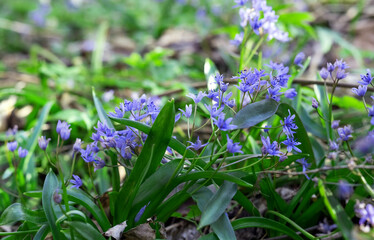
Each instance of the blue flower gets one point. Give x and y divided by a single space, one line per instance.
270 148
371 114
77 145
290 93
305 166
330 67
12 131
188 111
198 97
77 182
366 214
43 142
367 78
63 129
197 145
340 74
12 146
340 64
98 164
324 73
274 93
334 146
90 153
291 143
238 39
22 152
255 24
335 124
299 59
345 133
345 190
314 103
360 91
222 124
233 147
289 124
214 110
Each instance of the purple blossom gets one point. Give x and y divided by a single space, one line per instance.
188 111
366 214
140 213
227 101
177 117
197 145
289 124
330 67
38 16
335 124
98 164
90 153
334 146
270 148
345 133
324 73
290 93
255 23
222 124
77 145
22 152
340 74
197 98
345 190
43 142
77 182
371 114
12 131
63 129
12 146
340 64
360 91
57 197
299 59
366 79
233 147
214 110
305 166
274 93
108 95
325 227
238 39
291 143
314 103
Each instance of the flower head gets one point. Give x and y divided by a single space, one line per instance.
291 143
335 124
22 152
188 111
270 148
63 129
371 114
366 214
77 182
222 123
57 197
12 146
345 133
314 103
43 142
366 79
197 145
233 147
289 124
305 165
324 73
290 93
77 145
197 98
360 91
345 190
299 59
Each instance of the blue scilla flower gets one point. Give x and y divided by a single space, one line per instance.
324 73
222 123
12 131
196 145
341 74
334 146
366 214
291 143
305 165
289 124
360 91
233 147
371 114
22 152
90 153
330 67
335 124
188 111
43 142
214 110
367 78
77 182
63 129
345 133
196 98
238 39
340 64
98 164
274 93
227 101
345 190
256 23
77 145
299 59
314 103
290 93
12 146
271 148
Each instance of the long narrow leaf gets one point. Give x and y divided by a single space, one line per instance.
85 230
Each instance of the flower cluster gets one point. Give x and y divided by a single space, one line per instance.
336 71
366 215
261 18
12 145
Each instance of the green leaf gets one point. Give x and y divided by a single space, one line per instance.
42 232
74 214
217 205
27 164
221 225
11 214
255 113
210 71
149 159
85 231
246 204
259 222
301 134
100 110
336 211
50 185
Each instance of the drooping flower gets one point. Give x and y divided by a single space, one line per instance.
305 165
22 152
12 146
43 142
196 145
77 182
299 59
233 147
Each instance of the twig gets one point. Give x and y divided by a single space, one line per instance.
319 169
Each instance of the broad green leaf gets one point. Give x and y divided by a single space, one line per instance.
210 71
85 231
27 164
218 203
255 113
301 134
259 222
74 214
42 232
149 159
50 185
13 213
336 211
221 225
